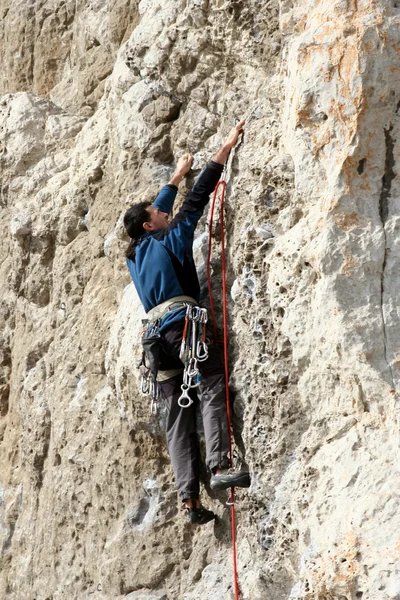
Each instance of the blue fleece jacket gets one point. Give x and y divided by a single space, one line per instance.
163 265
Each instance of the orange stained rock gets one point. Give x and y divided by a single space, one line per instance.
348 265
347 221
396 45
330 205
373 7
395 71
304 56
321 141
349 170
325 30
338 566
303 114
301 25
397 547
348 63
329 75
350 175
339 111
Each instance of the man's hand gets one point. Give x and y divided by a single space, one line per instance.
184 164
234 135
182 168
223 152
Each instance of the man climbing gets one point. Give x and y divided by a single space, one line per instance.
160 261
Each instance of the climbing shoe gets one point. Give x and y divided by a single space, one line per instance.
230 478
199 516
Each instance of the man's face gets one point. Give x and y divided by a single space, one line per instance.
157 220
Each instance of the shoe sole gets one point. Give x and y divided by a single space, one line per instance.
242 480
202 521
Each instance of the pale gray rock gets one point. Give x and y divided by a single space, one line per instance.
146 595
21 225
97 103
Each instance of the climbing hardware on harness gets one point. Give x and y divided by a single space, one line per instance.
193 350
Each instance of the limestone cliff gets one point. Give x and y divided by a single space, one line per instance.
97 101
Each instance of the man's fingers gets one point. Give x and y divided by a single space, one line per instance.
184 163
239 126
235 132
188 158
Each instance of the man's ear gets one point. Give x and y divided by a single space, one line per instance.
147 226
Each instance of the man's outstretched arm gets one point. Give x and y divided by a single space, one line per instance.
222 155
166 196
182 168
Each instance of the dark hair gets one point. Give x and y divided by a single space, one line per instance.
134 218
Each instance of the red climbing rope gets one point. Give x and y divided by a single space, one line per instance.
213 320
231 502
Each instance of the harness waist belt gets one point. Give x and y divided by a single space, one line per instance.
159 311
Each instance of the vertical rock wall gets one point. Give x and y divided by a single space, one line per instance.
96 101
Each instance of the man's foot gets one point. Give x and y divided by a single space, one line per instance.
200 515
230 478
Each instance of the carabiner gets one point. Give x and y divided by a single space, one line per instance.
144 385
196 313
191 380
153 407
203 315
192 368
231 500
201 351
189 311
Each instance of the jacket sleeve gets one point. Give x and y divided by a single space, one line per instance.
178 236
166 198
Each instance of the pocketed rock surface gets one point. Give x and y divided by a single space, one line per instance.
97 102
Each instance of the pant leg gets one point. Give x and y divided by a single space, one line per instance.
211 393
181 439
181 424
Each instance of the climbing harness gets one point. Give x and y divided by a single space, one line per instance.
193 350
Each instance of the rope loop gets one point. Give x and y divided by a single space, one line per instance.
221 186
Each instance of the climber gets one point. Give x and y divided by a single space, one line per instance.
160 261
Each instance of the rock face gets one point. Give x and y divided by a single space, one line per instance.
96 103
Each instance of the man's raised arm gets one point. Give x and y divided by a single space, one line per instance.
182 168
222 155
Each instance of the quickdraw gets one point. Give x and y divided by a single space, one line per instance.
193 350
149 388
148 368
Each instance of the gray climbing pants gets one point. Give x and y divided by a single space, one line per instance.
181 432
